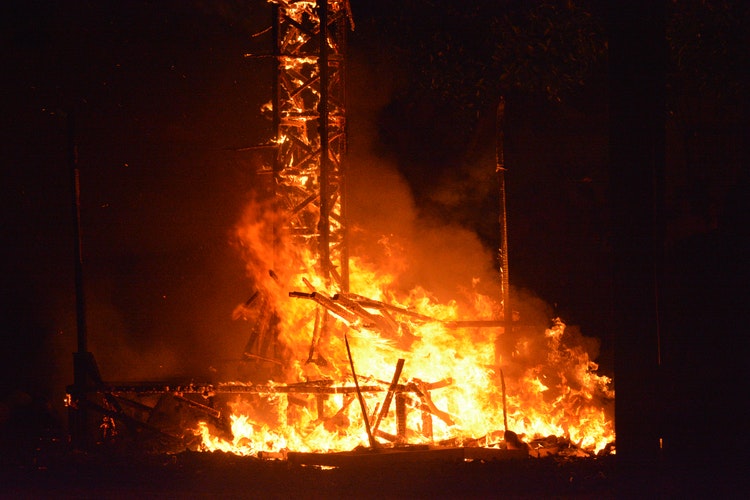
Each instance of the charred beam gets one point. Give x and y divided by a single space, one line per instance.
375 304
207 390
427 399
491 323
389 394
370 319
373 442
400 417
426 422
329 304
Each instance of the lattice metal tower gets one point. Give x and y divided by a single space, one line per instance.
309 119
309 122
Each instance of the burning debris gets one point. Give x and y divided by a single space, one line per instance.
451 394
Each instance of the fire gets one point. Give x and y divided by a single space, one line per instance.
320 316
455 372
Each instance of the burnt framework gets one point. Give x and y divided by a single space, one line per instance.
308 111
309 119
162 416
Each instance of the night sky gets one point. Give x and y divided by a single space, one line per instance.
162 98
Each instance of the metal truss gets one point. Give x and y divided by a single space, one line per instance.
309 118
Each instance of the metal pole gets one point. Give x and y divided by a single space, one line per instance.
343 163
276 117
77 248
503 218
323 71
78 413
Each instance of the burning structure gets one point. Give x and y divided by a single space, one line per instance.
339 356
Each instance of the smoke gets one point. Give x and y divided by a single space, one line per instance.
441 240
430 240
388 231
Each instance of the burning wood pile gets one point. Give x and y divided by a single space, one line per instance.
387 377
423 386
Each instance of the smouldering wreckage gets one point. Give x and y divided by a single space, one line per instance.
341 366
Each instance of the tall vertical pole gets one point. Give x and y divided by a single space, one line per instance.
82 336
503 218
325 201
276 116
637 62
343 145
83 365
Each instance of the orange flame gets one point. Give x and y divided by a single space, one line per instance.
560 394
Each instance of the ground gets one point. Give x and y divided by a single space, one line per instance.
219 475
38 461
55 470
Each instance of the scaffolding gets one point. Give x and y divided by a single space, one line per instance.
309 121
308 114
308 171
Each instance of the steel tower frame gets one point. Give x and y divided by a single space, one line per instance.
309 120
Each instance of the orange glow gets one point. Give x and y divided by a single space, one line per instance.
558 395
450 390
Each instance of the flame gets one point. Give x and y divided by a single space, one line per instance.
560 394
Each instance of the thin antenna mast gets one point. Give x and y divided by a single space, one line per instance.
503 218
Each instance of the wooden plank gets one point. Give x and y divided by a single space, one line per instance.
490 454
406 455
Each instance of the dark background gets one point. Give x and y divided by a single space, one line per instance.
162 97
157 92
